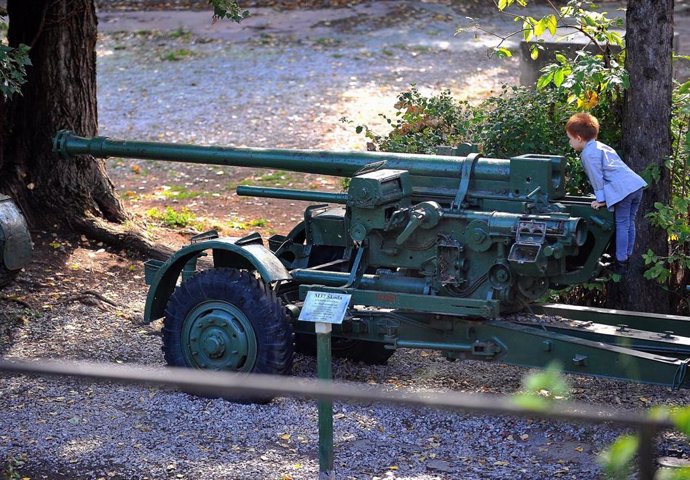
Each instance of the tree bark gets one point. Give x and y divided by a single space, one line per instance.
647 139
60 94
56 194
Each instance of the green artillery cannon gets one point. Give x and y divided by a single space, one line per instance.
433 249
15 241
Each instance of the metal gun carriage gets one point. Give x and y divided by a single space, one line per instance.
433 249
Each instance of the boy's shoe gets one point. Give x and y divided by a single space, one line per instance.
620 268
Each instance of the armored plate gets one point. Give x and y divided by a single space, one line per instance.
15 240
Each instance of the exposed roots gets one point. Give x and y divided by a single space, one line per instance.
122 237
85 297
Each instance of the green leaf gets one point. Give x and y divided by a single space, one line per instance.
540 27
228 9
552 24
544 80
502 5
617 459
684 88
681 418
503 52
561 58
534 52
531 402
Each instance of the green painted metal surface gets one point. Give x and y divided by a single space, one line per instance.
432 248
325 407
219 336
668 325
163 277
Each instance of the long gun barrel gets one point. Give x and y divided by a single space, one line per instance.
430 174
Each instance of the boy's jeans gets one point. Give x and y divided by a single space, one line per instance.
625 212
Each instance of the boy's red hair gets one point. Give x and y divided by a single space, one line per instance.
583 125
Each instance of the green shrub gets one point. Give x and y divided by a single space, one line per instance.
516 121
423 123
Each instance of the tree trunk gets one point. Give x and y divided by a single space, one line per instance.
647 139
60 94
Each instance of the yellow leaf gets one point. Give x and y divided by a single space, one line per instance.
393 467
501 463
579 449
591 100
285 436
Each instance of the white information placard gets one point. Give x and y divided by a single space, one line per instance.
324 307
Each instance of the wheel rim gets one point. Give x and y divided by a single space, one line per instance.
219 336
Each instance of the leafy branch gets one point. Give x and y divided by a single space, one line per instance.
13 63
228 9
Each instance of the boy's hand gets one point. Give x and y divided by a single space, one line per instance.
596 205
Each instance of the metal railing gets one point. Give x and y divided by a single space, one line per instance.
222 384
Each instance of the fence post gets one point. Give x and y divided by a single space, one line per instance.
646 452
324 371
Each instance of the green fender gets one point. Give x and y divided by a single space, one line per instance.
251 256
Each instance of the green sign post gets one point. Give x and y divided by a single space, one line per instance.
325 309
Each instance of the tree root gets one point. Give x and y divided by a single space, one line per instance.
80 297
121 237
16 300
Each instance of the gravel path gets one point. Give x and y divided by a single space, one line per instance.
279 80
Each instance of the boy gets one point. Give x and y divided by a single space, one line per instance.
615 185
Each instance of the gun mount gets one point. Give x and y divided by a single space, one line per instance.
432 248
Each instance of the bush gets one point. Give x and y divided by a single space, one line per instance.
423 123
516 121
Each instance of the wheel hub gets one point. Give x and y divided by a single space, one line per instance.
217 335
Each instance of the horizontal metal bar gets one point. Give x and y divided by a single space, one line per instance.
209 383
651 322
384 283
463 307
642 340
289 194
534 346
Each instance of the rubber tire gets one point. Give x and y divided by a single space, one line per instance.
272 329
370 353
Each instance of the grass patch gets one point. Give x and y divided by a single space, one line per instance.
257 223
172 218
327 42
176 55
178 192
181 34
272 179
